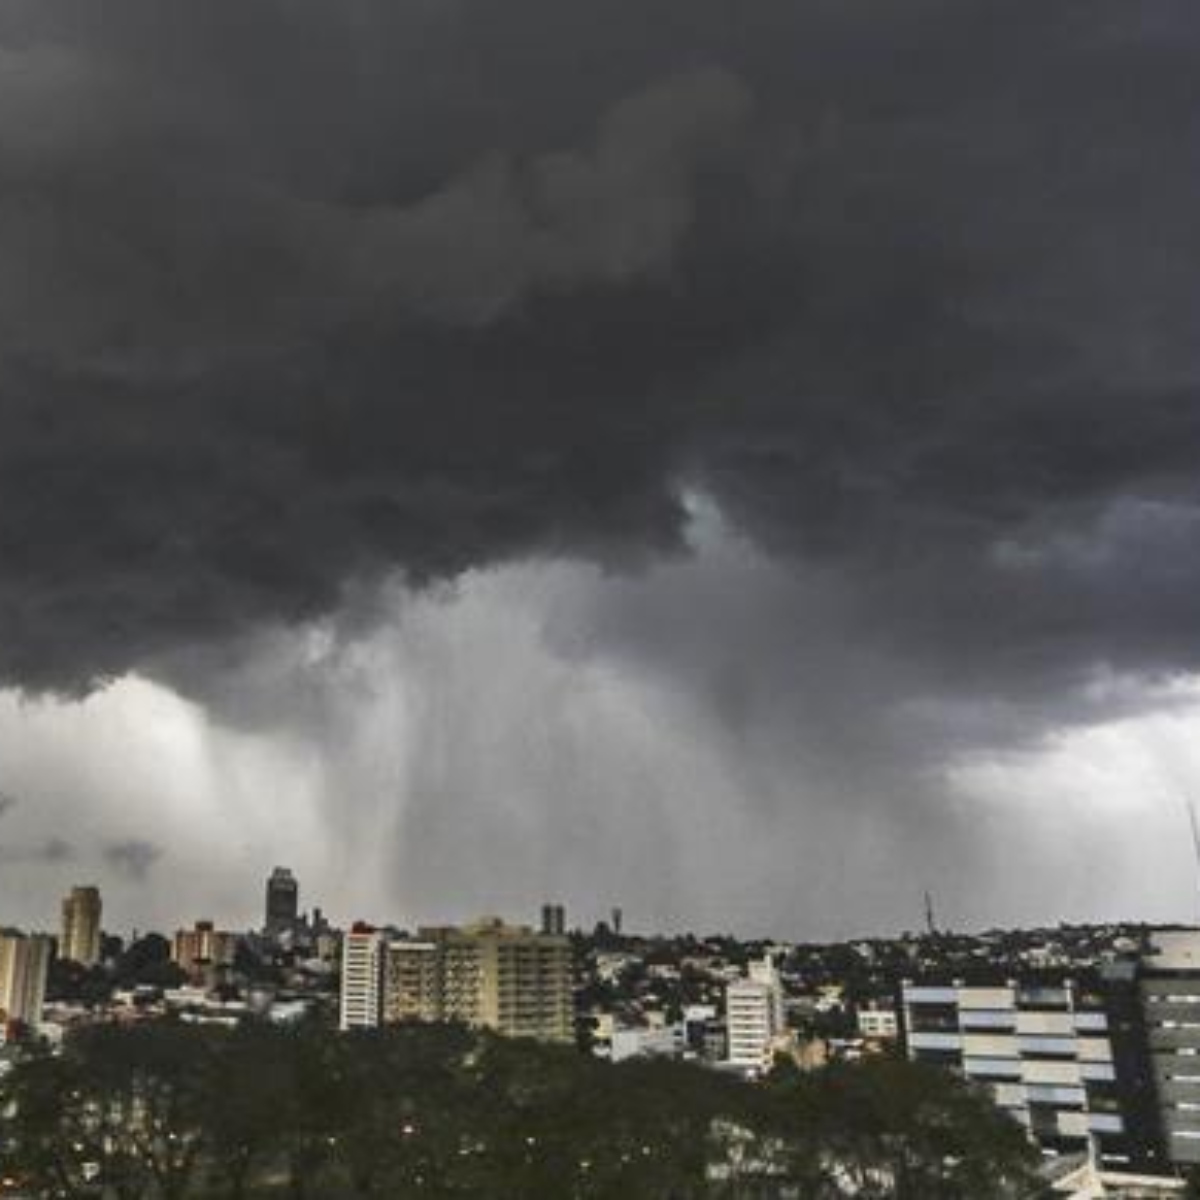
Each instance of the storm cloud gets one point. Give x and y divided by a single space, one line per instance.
306 307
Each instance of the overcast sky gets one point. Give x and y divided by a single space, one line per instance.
737 462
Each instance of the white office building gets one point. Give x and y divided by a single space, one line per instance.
754 1017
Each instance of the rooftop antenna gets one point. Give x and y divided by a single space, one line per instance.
931 924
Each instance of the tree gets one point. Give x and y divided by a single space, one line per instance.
245 1116
149 1105
174 1112
889 1129
147 961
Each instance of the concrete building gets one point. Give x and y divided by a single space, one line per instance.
1064 1058
282 903
413 982
754 1017
1169 989
554 919
664 1041
488 974
202 948
80 940
363 953
24 964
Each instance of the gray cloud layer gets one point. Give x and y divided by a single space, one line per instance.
298 296
293 295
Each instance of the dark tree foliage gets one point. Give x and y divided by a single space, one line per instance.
147 961
75 982
175 1112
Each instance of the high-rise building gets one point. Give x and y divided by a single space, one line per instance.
24 963
363 950
489 974
80 941
283 903
1065 1057
754 1017
203 947
413 982
554 919
1169 989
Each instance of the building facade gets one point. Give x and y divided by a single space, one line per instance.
487 975
754 1017
1169 990
1065 1058
80 939
413 982
282 903
363 950
202 948
24 965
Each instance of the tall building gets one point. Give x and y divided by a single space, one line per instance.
24 964
489 974
1169 988
1065 1057
203 947
363 950
80 941
413 982
554 919
283 903
754 1017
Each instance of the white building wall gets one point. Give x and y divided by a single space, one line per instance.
754 1017
1028 1056
362 980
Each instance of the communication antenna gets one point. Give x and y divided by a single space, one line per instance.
1191 811
931 924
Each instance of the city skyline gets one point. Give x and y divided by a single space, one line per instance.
551 918
741 471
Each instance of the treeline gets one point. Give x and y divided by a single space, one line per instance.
171 1112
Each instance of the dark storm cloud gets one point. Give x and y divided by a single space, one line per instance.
295 295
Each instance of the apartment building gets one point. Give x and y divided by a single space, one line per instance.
1064 1057
363 950
203 947
80 939
412 988
487 975
24 964
754 1017
1169 991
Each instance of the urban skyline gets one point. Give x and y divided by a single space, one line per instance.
248 912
